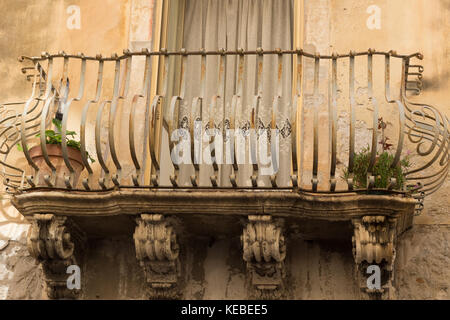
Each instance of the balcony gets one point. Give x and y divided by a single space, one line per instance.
98 149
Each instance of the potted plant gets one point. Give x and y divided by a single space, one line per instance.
382 170
53 141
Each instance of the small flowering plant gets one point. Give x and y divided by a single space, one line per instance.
382 170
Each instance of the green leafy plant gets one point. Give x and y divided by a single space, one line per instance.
55 137
382 169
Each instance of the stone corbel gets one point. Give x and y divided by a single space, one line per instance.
374 243
264 251
53 241
157 251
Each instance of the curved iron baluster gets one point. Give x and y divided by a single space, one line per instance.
84 114
69 180
351 153
32 181
332 113
273 124
213 108
102 181
236 109
315 180
49 180
401 112
373 101
294 118
173 122
145 92
254 123
157 123
196 128
116 178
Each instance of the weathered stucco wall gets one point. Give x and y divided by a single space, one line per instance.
213 268
340 26
29 28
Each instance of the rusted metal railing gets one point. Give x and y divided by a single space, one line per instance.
419 124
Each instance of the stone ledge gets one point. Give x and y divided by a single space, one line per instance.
279 202
211 205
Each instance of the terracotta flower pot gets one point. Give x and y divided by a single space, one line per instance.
56 158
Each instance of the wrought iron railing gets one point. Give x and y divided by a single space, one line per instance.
420 125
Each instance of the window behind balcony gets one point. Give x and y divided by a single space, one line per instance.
229 25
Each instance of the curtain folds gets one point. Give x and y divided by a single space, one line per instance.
233 24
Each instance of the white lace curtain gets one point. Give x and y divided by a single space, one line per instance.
247 24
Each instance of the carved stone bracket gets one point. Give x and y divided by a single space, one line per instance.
53 240
374 243
264 251
157 251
